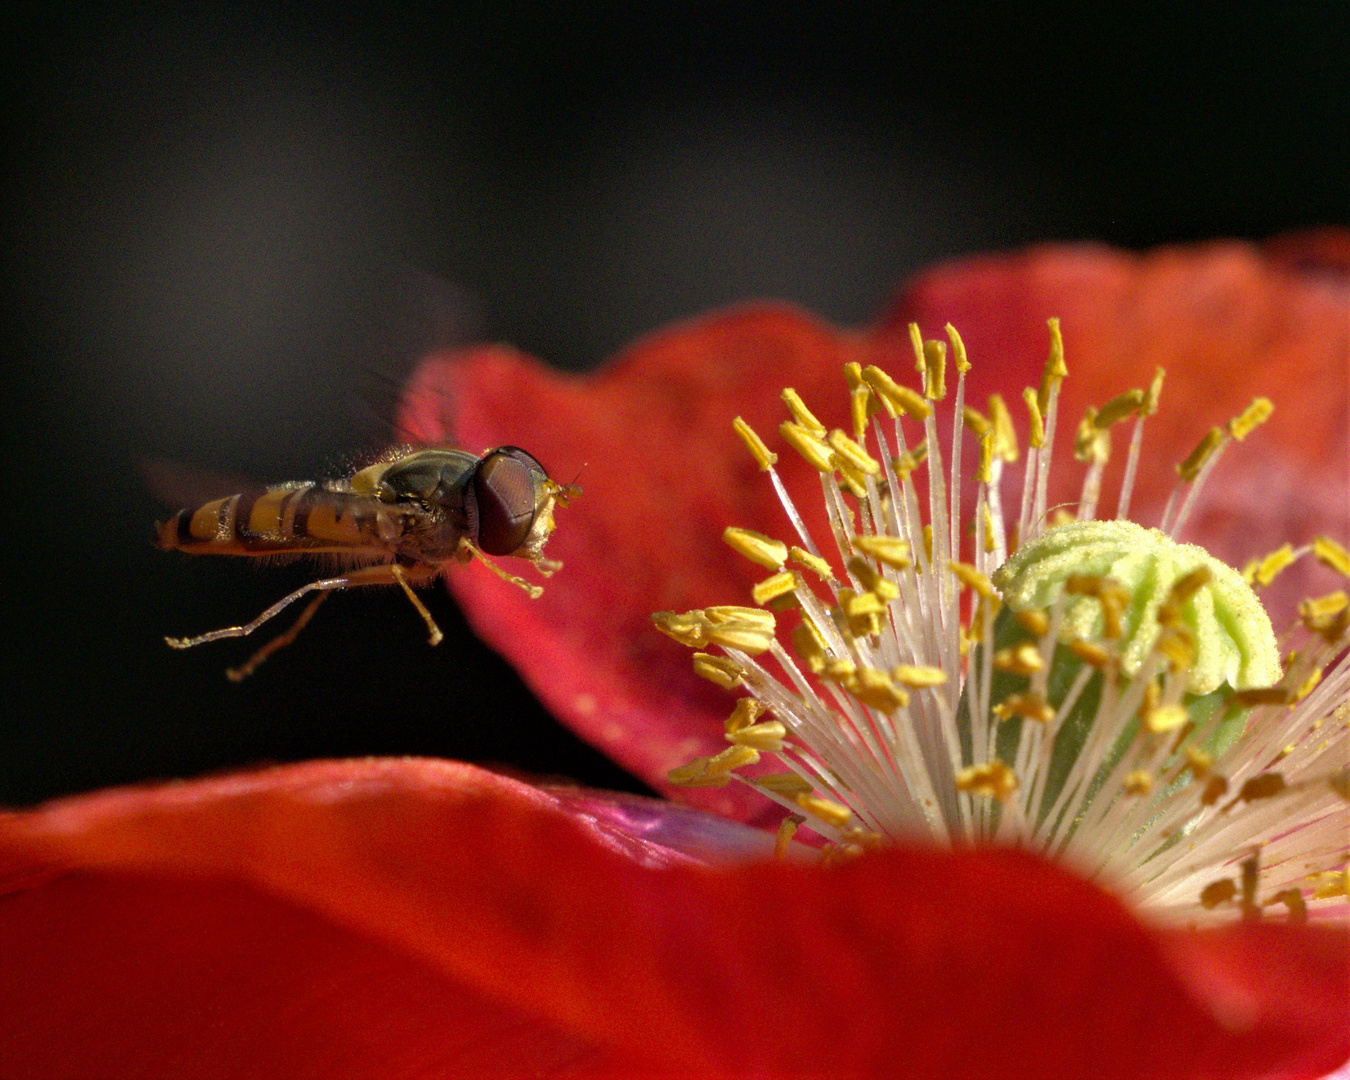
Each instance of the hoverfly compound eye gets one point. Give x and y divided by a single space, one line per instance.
504 487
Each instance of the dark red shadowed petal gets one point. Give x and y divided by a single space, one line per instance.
1228 323
663 474
311 917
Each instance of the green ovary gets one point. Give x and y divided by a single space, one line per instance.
1234 641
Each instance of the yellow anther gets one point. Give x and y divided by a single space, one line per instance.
973 579
764 457
814 563
1317 610
850 479
721 670
1198 761
1264 695
771 588
896 399
994 781
888 550
916 343
1252 417
1036 623
1165 718
731 759
801 414
1265 786
1090 653
747 711
728 613
1005 438
1029 706
1293 900
1035 419
839 669
1152 697
1261 572
695 774
1331 554
873 687
910 459
1149 405
810 646
787 829
1055 369
918 677
1215 787
1023 659
862 604
1059 516
1332 883
1177 644
928 543
958 349
1218 892
787 784
934 370
853 454
689 628
1112 596
826 810
1138 782
976 420
985 472
816 453
990 540
748 629
1204 449
767 736
742 636
756 547
1186 586
872 581
1090 442
853 376
1308 685
1118 408
860 408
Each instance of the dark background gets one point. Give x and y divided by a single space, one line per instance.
219 220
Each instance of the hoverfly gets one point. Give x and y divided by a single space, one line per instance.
402 521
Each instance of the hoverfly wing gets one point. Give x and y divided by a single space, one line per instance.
177 485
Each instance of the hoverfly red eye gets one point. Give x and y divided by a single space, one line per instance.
504 487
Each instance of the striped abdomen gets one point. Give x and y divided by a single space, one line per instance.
303 518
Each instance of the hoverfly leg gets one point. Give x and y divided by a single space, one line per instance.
467 551
401 577
249 666
386 574
325 586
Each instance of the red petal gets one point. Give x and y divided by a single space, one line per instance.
365 916
1228 324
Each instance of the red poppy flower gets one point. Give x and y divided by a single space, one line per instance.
413 918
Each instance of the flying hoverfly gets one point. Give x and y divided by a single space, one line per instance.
401 521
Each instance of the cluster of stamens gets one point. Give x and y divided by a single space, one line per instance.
1092 690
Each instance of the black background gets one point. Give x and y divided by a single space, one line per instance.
220 219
